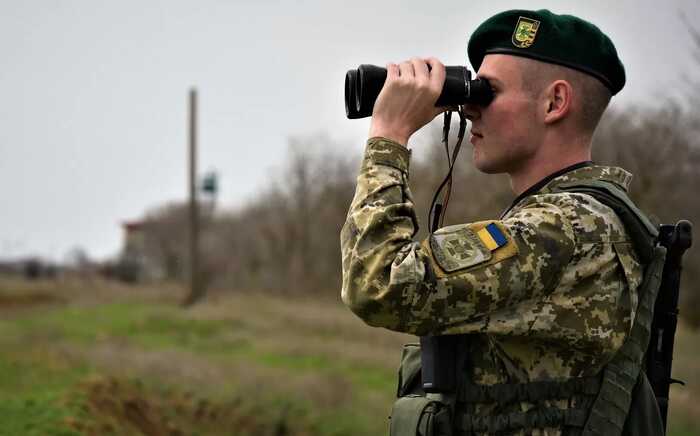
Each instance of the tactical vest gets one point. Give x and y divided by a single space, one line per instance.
604 401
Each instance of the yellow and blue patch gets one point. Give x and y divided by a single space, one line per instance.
492 237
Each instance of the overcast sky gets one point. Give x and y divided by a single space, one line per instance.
93 93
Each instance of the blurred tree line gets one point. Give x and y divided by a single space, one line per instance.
286 239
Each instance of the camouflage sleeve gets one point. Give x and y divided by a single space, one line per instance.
451 282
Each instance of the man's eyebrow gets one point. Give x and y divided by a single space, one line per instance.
491 79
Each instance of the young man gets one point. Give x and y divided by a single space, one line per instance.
548 292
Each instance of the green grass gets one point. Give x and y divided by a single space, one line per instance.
156 327
253 364
33 390
44 391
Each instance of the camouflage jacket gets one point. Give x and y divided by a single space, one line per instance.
547 291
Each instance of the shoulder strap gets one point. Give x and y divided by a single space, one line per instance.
611 407
643 232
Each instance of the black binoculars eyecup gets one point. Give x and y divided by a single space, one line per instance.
363 85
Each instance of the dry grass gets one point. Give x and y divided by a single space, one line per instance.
312 353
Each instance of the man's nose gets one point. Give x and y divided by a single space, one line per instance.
471 111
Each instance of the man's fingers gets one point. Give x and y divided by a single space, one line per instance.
437 73
392 71
406 69
421 70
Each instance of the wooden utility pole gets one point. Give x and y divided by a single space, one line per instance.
196 289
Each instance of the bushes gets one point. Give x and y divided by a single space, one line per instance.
286 240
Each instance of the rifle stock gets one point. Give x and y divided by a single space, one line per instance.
677 239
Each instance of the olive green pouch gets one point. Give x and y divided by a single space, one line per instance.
415 415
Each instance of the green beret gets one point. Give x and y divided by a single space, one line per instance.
558 39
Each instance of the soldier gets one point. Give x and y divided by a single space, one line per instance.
547 292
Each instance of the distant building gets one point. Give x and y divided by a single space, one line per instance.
134 264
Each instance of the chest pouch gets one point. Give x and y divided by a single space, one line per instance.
420 416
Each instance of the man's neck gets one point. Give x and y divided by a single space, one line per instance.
544 164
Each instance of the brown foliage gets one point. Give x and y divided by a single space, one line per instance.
118 406
286 239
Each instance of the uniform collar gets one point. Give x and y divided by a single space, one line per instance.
586 170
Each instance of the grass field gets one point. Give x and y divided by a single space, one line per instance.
91 358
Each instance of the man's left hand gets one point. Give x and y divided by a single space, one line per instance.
407 100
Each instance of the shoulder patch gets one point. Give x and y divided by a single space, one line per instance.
457 248
462 246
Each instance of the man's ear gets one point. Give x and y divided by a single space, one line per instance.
557 101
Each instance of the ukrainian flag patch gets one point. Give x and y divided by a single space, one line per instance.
456 248
492 237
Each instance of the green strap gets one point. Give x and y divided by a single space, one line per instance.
613 394
610 409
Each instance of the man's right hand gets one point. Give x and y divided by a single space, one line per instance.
407 100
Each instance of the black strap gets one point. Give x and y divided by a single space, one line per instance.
436 214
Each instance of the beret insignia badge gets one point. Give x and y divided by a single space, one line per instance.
525 31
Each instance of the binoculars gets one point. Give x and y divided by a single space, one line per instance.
362 86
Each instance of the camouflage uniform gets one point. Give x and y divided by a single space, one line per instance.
555 301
